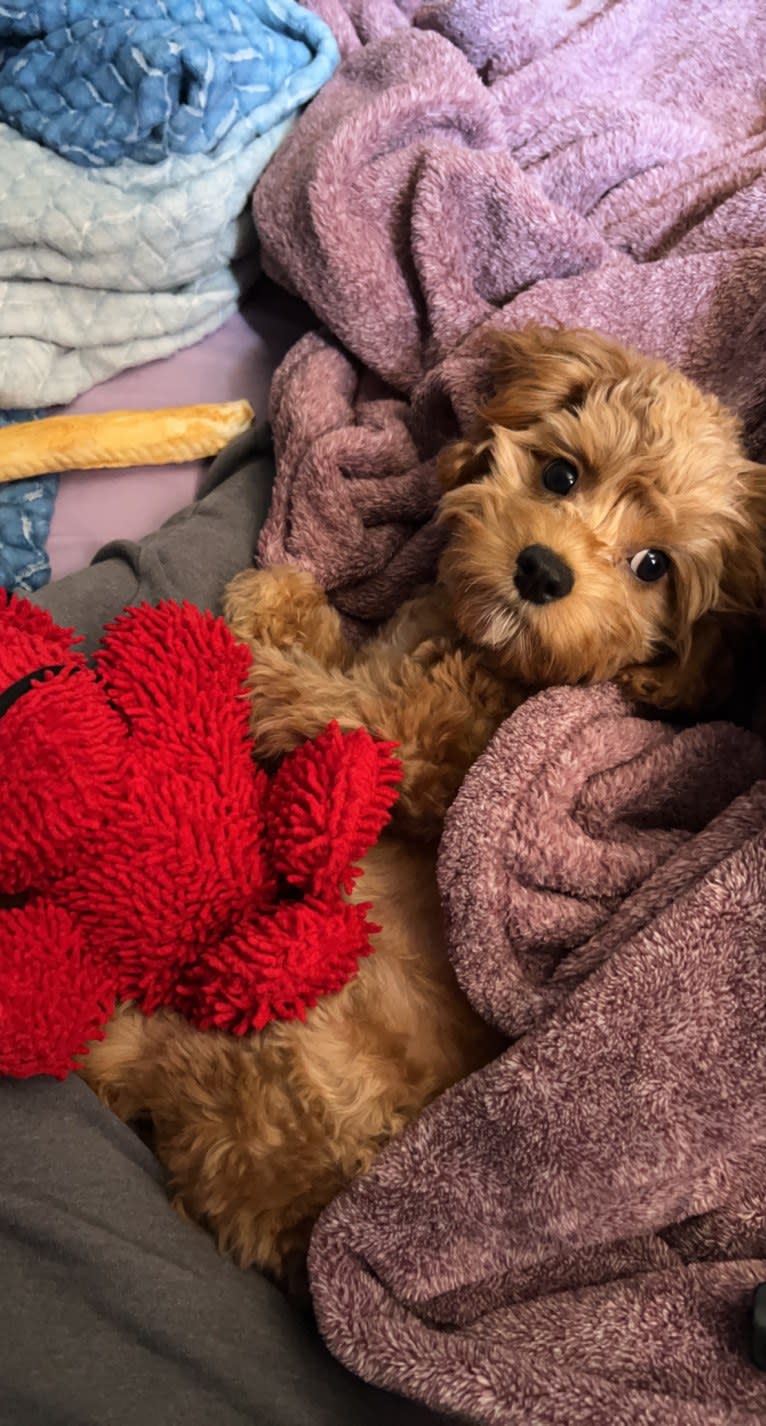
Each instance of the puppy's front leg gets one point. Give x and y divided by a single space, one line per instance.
293 697
409 686
441 713
286 608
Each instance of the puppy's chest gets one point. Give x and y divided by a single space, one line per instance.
426 641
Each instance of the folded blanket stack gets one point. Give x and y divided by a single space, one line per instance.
573 1236
133 134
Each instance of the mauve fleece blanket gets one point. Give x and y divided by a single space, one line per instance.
597 163
572 1237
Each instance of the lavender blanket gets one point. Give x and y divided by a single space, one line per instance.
572 1237
595 163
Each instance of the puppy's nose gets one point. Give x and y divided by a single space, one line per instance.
541 576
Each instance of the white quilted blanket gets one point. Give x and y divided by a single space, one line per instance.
102 269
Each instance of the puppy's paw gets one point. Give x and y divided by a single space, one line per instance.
285 608
431 651
645 684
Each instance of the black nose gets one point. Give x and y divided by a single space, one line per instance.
541 576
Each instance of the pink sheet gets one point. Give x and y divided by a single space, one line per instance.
236 361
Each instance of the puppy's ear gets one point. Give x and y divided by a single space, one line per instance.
464 461
545 369
743 586
714 665
533 372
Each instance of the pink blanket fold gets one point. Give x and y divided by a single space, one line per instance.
596 164
573 1235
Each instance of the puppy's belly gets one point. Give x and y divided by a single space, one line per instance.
408 987
257 1135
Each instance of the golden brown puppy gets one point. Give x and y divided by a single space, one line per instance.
602 522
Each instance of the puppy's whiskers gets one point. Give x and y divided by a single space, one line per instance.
500 626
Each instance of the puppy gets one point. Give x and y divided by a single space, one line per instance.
602 522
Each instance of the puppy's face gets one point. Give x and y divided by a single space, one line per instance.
604 506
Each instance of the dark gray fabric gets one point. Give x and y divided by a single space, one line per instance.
193 556
111 1309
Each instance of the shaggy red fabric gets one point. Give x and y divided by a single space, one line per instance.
325 807
158 861
54 997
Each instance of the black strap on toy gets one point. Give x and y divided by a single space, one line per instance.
11 695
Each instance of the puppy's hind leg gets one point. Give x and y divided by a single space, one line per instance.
243 1154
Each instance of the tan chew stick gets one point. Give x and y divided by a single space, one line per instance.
112 439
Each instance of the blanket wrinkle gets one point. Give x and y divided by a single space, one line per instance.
359 454
601 164
357 22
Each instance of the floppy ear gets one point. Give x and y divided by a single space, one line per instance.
534 372
743 586
465 461
718 668
544 369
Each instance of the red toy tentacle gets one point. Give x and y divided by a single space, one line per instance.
180 866
279 965
329 803
179 677
30 640
62 759
54 996
28 619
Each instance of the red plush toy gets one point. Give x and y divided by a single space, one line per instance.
143 854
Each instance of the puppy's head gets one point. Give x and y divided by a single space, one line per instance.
604 506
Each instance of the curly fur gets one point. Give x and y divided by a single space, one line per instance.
257 1135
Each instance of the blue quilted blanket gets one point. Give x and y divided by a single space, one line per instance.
100 81
26 507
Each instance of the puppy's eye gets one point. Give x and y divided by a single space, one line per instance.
560 477
650 565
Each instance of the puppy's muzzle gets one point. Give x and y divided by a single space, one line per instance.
540 576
